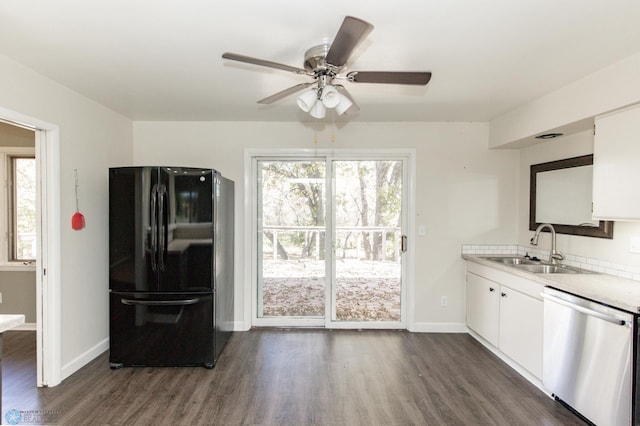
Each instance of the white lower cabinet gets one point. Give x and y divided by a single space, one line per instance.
521 329
506 310
483 311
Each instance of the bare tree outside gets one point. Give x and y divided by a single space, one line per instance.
367 204
24 206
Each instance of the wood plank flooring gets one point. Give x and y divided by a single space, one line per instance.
294 377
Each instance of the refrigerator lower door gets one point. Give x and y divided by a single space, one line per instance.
161 329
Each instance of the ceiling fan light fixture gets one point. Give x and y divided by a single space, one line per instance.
318 110
330 97
344 104
307 99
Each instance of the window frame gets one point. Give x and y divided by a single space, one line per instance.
7 195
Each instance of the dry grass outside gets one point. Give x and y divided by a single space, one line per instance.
365 290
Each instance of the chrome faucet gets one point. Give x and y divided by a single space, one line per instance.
554 256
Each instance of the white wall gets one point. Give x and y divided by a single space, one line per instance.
92 138
465 193
616 250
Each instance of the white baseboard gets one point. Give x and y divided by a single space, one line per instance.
438 327
27 326
84 358
240 326
421 327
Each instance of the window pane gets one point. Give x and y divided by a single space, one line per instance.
24 215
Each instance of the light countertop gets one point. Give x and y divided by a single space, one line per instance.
617 292
8 321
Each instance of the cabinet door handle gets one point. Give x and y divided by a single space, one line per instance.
492 289
503 294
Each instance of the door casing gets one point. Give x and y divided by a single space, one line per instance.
48 308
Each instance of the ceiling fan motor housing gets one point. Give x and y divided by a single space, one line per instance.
315 61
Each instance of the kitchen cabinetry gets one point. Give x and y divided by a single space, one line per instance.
506 310
616 152
483 307
521 326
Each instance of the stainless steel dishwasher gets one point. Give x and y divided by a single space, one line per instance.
588 361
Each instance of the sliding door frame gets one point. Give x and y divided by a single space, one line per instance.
251 226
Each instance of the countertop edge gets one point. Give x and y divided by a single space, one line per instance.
621 293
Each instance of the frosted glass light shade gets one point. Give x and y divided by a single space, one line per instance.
307 100
344 104
318 110
330 97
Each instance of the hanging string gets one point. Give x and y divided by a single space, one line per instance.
77 220
75 171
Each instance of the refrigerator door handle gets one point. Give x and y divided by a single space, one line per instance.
154 227
180 302
162 190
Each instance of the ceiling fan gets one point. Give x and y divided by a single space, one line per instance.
325 63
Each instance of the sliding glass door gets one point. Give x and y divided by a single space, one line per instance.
329 241
367 232
291 239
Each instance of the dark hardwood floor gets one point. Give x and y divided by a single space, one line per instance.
293 377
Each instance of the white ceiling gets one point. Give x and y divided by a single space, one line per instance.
161 59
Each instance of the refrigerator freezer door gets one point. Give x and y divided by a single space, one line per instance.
161 329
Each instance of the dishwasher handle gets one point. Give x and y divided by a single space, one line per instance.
583 310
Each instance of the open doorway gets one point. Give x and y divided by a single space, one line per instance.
47 229
18 248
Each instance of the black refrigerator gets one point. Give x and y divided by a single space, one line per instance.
170 266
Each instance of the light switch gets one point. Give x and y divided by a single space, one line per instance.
422 231
634 245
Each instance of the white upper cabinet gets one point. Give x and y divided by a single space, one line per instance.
616 166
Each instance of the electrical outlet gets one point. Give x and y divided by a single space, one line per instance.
444 301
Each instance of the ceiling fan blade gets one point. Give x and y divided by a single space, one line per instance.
264 63
390 77
285 93
351 32
354 107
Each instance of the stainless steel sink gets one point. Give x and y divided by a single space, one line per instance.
551 269
536 267
512 260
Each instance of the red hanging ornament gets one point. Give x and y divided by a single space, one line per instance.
77 220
